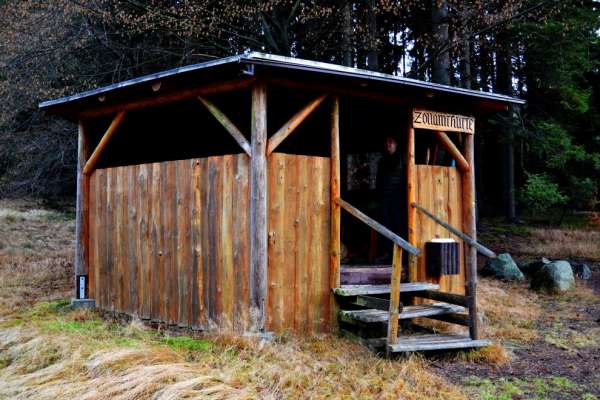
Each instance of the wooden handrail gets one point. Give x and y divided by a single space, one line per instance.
481 248
378 227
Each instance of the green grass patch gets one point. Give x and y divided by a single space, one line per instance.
187 343
47 309
538 388
89 326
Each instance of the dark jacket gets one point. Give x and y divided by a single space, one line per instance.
391 176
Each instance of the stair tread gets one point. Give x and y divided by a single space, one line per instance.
435 342
421 310
355 290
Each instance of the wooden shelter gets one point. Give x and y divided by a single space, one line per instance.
211 197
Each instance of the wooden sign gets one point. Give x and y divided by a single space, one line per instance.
438 121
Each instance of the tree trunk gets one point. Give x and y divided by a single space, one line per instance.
372 56
441 57
504 86
465 50
347 35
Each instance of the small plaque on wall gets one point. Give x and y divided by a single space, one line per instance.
438 121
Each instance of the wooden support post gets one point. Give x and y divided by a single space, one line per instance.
292 124
448 144
258 204
411 194
469 227
82 201
93 160
229 126
392 334
334 259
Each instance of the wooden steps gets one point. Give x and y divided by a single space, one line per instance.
366 290
368 316
435 342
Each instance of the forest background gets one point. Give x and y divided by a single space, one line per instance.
545 155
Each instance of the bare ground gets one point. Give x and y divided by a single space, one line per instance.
545 346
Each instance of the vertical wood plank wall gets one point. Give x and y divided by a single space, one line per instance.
169 241
298 296
438 189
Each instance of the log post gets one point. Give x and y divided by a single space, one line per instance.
82 201
258 203
469 228
410 190
392 334
334 259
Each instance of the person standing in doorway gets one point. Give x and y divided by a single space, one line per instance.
391 190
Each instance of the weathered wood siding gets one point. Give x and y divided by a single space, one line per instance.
438 189
169 241
298 296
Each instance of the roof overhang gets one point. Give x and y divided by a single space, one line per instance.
260 64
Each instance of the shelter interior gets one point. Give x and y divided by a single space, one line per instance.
185 129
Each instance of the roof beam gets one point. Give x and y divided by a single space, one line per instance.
93 160
227 124
292 124
214 88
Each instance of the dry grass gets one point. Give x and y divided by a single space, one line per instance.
509 311
49 352
52 356
561 243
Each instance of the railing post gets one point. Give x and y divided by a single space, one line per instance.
411 198
334 258
468 198
392 334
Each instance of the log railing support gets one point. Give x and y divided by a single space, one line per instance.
258 204
229 126
292 124
392 334
466 238
355 212
335 253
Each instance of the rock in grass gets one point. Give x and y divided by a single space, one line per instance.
533 267
503 267
582 271
553 277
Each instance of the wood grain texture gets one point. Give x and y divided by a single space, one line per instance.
394 310
171 241
438 190
299 244
258 204
336 217
82 207
470 228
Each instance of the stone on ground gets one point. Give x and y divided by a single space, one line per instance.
533 267
582 271
553 277
503 267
